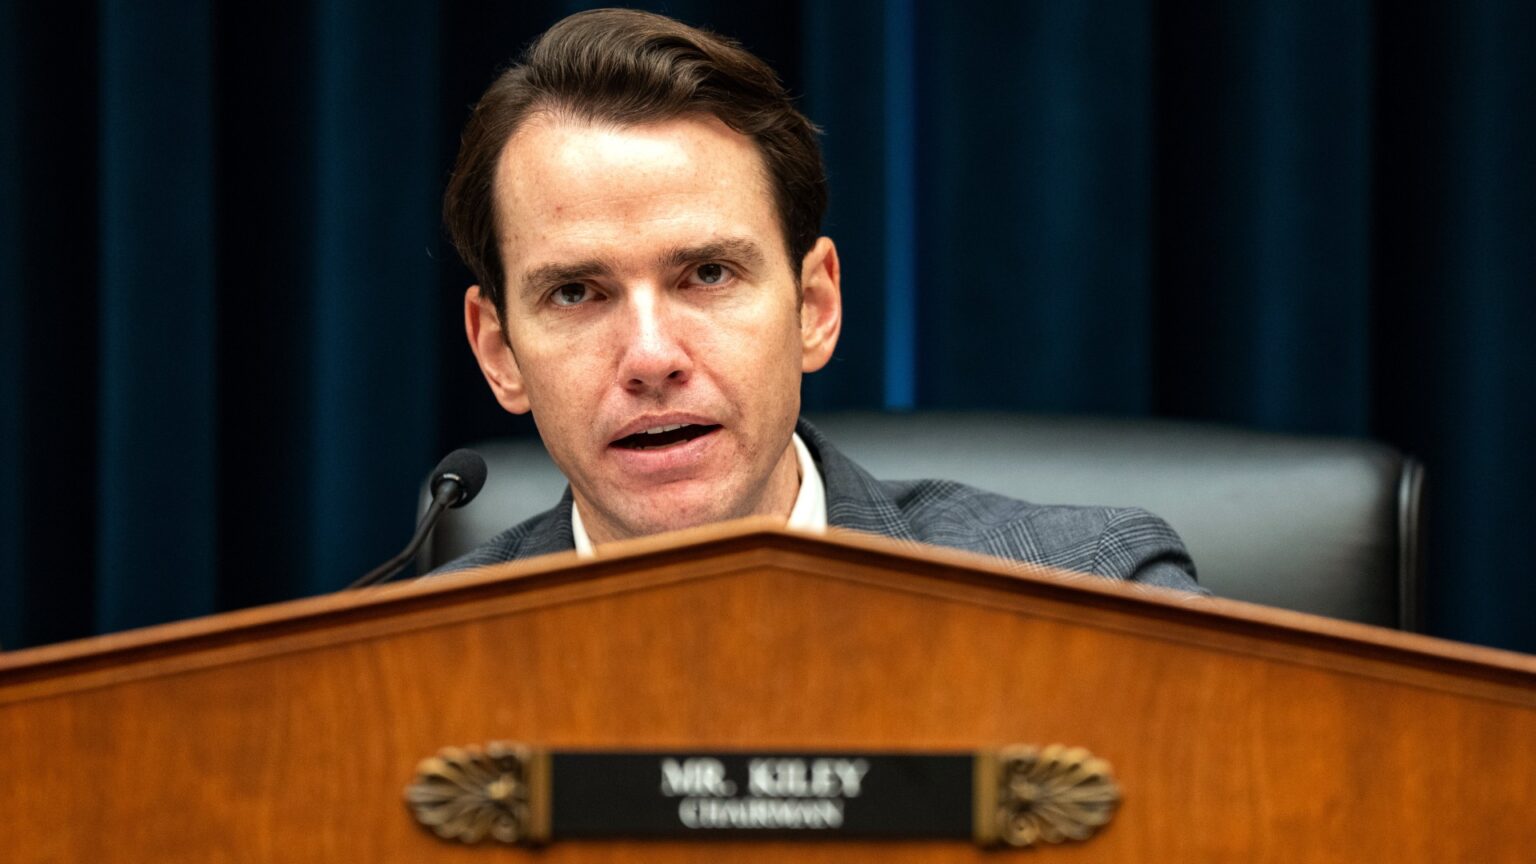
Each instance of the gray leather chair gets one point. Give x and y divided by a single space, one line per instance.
1330 526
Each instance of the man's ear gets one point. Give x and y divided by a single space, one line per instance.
821 305
482 324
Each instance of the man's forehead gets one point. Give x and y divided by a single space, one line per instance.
560 171
568 148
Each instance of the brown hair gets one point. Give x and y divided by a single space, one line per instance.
629 67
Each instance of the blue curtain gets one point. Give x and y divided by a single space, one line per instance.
229 326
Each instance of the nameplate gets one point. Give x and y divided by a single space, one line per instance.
783 794
1016 796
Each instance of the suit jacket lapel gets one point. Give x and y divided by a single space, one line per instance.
855 500
552 532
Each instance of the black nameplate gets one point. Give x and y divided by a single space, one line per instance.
1017 795
809 795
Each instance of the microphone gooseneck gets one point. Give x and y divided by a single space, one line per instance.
455 482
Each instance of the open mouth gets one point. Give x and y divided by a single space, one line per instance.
664 436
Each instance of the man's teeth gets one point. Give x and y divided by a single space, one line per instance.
664 435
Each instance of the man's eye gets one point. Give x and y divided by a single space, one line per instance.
710 274
571 295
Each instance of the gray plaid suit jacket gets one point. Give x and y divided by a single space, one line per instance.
1117 542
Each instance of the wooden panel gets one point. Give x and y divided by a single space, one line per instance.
288 734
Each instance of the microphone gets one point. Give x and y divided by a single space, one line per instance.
455 482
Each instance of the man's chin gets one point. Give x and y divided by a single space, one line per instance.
647 517
644 509
652 524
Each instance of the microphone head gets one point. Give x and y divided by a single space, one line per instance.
467 469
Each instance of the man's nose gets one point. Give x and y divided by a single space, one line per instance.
654 353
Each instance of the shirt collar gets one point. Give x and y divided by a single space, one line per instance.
808 514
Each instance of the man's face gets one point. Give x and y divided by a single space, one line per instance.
651 311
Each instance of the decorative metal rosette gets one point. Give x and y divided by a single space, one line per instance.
1052 794
470 793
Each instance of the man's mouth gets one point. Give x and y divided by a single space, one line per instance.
664 436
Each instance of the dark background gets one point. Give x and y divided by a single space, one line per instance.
230 338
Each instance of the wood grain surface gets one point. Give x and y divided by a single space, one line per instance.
1236 733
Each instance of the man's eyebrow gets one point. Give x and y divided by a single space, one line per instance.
744 252
740 250
546 276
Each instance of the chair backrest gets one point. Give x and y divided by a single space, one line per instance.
1330 526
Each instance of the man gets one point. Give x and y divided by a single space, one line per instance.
641 206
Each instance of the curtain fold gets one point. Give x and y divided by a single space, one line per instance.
847 94
1455 297
156 496
230 327
12 332
1264 214
1033 206
53 309
373 408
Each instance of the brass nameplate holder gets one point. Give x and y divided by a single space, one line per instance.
1012 797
